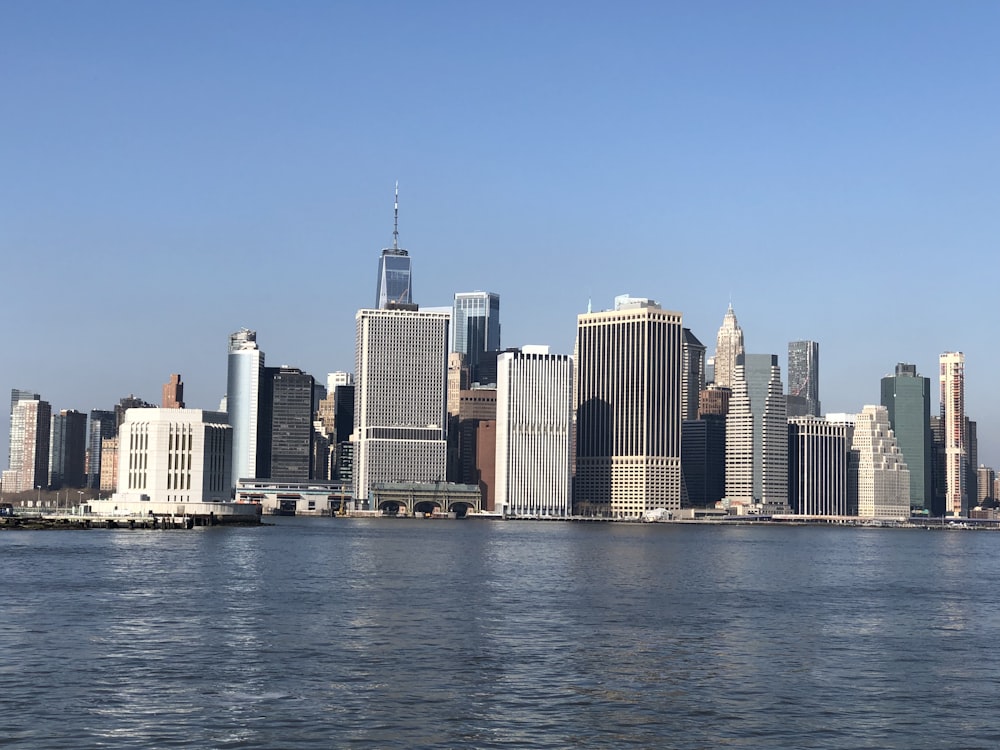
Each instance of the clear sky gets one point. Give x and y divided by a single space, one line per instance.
173 171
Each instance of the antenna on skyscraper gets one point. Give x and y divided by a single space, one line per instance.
395 219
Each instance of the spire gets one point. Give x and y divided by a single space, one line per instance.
395 219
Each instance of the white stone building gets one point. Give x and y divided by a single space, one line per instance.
879 474
534 408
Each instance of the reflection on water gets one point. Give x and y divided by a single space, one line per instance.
317 633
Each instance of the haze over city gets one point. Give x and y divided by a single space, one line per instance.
173 172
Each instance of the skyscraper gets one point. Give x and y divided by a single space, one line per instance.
476 333
243 385
395 279
30 425
757 433
103 426
628 434
534 406
401 360
879 472
818 452
693 374
907 399
291 430
803 379
952 381
67 449
728 347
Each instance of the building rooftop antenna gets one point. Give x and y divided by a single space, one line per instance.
395 219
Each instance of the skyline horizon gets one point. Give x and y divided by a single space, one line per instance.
173 172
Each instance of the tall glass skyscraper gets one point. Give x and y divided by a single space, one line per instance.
395 277
907 398
803 379
476 333
246 367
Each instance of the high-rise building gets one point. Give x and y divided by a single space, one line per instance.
985 478
692 374
108 480
476 333
714 399
243 391
907 399
395 277
952 381
173 393
290 411
703 460
18 394
401 359
475 405
130 401
103 425
818 461
878 472
628 432
728 347
30 425
971 461
757 434
174 455
533 418
67 449
803 379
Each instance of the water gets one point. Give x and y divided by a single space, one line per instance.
320 633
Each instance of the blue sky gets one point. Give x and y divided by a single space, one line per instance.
171 172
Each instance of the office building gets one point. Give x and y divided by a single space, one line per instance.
30 425
288 410
971 460
728 348
818 462
952 382
173 393
130 401
628 432
475 333
757 434
985 479
18 394
174 455
475 405
395 278
803 379
714 399
703 460
67 449
401 359
692 374
533 419
103 425
878 471
907 399
108 480
243 391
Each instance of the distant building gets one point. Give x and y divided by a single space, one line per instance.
803 379
486 462
103 425
67 449
129 402
714 399
400 415
475 405
703 460
175 456
288 410
533 419
952 381
818 466
728 347
395 277
879 472
108 481
18 394
475 333
907 399
173 393
757 434
985 478
243 391
692 374
30 425
628 432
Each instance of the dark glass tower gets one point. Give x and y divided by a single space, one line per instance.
476 327
907 397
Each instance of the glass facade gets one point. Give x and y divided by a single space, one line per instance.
476 331
907 398
395 279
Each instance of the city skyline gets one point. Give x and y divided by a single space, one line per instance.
795 151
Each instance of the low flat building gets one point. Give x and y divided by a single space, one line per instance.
296 498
